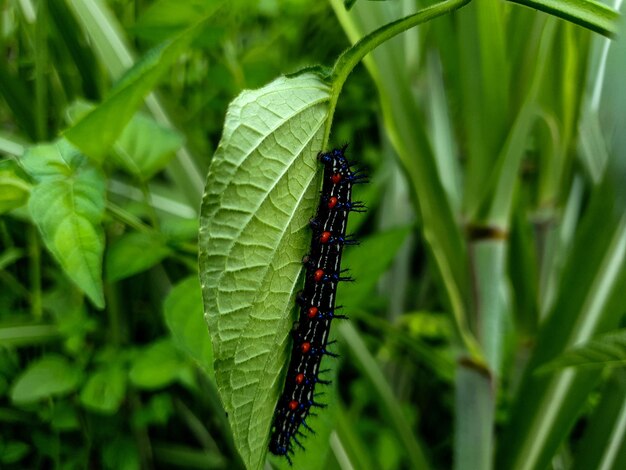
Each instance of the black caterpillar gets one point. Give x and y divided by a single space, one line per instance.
316 301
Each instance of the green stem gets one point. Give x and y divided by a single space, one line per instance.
41 63
154 220
353 56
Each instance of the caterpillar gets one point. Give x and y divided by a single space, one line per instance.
316 301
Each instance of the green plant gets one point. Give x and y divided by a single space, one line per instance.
492 255
498 119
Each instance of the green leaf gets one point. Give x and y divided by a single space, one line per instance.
184 317
133 253
497 198
14 189
62 417
17 99
95 133
104 390
49 376
108 40
260 193
156 366
143 148
589 14
12 451
67 204
606 350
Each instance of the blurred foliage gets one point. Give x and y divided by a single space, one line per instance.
495 241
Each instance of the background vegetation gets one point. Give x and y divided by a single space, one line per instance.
492 255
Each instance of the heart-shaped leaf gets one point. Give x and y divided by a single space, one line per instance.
67 204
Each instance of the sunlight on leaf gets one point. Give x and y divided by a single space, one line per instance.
67 204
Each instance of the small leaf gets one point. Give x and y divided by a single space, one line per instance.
156 411
157 366
67 205
14 189
260 194
145 147
104 390
12 451
607 350
62 416
184 317
49 376
133 253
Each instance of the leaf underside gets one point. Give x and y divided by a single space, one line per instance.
260 193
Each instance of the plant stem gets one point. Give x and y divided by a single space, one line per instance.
127 218
34 254
353 56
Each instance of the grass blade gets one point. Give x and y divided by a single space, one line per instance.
588 302
372 372
603 446
587 13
